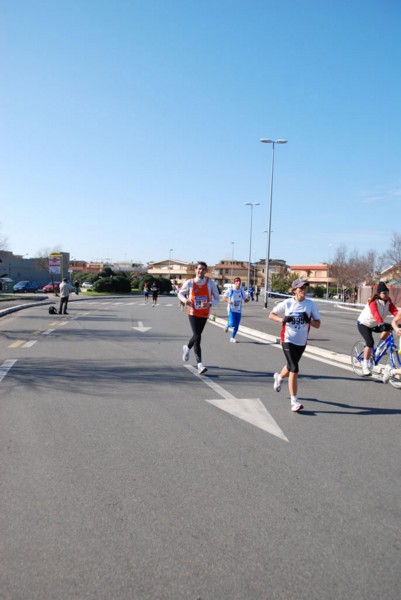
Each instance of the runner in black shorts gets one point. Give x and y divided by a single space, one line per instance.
296 315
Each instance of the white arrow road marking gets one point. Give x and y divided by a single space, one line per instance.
5 367
141 327
250 410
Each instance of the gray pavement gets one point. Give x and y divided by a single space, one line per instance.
255 322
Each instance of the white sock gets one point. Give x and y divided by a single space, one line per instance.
294 399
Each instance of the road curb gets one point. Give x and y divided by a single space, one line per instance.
334 357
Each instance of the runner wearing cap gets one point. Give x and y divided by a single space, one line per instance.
234 298
296 316
371 320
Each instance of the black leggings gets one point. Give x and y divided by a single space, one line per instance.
293 355
366 333
197 326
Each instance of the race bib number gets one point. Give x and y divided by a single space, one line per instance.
201 302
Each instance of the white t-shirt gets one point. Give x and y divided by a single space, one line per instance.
237 297
296 332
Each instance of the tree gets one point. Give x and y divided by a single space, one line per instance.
42 258
392 257
3 241
282 282
353 270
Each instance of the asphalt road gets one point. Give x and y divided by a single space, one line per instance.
124 474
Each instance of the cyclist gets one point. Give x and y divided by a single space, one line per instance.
389 371
371 320
296 315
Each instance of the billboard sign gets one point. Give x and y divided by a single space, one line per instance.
55 264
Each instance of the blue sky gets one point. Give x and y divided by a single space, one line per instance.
129 128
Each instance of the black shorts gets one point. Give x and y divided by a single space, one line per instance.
366 333
293 355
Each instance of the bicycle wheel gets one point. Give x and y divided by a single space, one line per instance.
395 361
357 357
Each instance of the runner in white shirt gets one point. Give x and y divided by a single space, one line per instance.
296 315
234 298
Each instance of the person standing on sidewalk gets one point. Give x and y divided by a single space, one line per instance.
234 298
296 316
65 290
199 295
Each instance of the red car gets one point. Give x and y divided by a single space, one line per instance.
52 288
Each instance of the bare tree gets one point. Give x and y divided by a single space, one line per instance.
42 258
392 257
353 270
3 241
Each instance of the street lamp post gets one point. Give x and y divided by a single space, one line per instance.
267 141
328 275
232 261
251 204
169 262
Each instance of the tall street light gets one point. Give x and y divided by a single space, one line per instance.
328 275
169 262
232 261
273 143
251 204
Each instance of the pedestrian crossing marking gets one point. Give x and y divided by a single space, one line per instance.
5 367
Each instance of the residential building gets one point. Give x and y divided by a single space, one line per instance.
226 270
317 275
176 270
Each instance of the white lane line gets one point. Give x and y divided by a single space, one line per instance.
48 332
29 344
5 367
251 410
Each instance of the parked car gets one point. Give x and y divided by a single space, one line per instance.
87 285
26 286
50 287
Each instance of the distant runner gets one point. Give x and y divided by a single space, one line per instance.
234 298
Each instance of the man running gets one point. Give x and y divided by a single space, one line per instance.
198 294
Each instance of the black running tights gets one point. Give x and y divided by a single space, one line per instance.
197 326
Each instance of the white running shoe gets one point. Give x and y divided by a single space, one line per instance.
277 382
296 406
387 375
201 369
366 372
233 340
185 355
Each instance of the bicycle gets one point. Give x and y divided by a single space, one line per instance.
386 348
